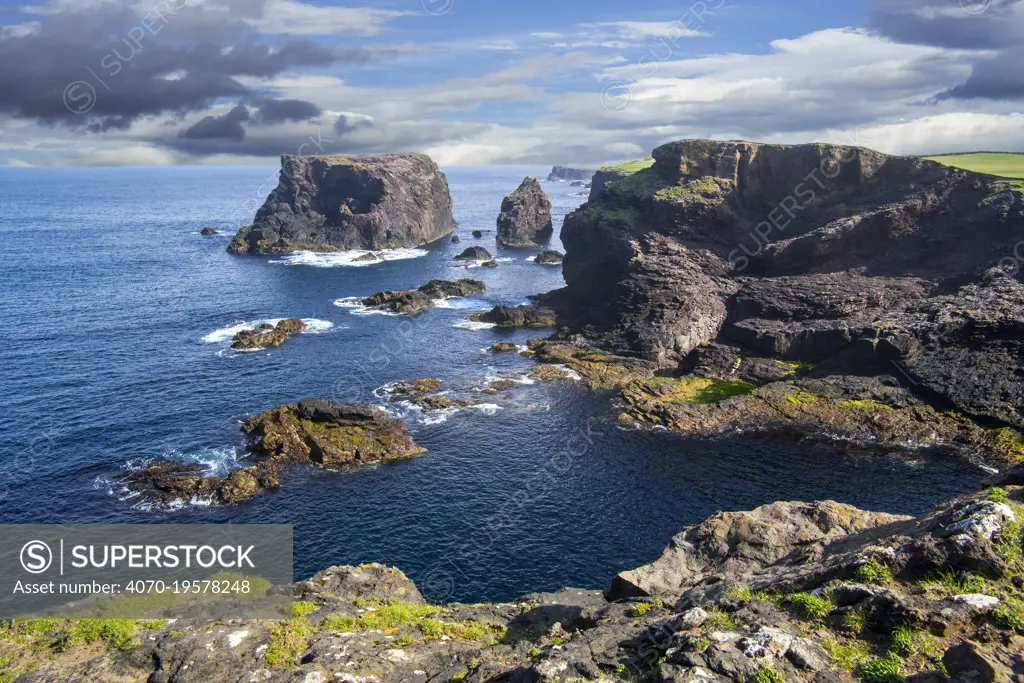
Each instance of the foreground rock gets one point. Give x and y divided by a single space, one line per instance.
267 335
313 432
519 316
525 218
412 301
799 592
567 173
339 203
842 261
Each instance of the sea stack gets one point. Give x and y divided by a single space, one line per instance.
341 203
525 218
567 173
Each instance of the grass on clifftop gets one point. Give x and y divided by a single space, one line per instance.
998 164
631 166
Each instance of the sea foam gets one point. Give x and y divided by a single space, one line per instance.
350 259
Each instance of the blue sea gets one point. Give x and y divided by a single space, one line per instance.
116 324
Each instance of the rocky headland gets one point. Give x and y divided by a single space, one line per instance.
568 173
810 288
525 218
793 592
340 203
314 432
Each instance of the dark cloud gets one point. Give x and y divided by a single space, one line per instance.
102 69
279 111
991 25
226 127
347 124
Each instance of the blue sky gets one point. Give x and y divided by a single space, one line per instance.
104 82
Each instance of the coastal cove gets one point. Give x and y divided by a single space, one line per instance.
117 353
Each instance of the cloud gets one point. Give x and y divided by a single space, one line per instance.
278 111
297 18
226 127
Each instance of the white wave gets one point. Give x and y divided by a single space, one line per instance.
518 378
349 259
519 349
226 334
462 304
478 264
487 408
355 304
569 372
473 325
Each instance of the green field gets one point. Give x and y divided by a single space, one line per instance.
993 163
631 166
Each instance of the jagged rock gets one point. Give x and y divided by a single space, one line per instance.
525 217
549 256
446 289
207 231
266 335
566 173
313 432
490 264
338 203
503 347
965 663
368 257
808 253
365 582
519 316
456 239
474 254
413 301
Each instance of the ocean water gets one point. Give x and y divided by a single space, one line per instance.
116 324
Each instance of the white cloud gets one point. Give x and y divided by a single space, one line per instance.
298 18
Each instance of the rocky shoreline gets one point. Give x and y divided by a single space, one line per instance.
800 592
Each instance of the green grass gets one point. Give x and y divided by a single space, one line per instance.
767 675
883 670
388 614
303 608
998 495
847 655
719 621
631 166
643 608
288 640
903 640
473 630
856 620
994 163
950 581
1010 614
872 571
811 606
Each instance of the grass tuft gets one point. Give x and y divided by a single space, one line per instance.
811 606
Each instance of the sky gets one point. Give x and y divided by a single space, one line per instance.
483 82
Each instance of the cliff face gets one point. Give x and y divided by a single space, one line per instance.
568 173
806 253
337 203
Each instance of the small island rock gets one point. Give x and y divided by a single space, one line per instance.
267 335
475 254
525 217
207 231
549 257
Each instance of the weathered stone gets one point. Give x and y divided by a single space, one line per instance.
337 203
525 217
550 257
267 335
474 254
207 231
519 316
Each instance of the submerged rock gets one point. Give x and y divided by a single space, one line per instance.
474 254
446 289
313 432
417 387
267 335
519 316
339 203
549 256
478 234
525 217
504 347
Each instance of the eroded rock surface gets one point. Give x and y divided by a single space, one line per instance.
267 335
338 203
800 592
412 301
525 218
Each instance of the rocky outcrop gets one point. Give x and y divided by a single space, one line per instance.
567 173
207 231
864 263
474 254
313 432
339 203
413 301
525 218
267 335
549 257
817 592
519 316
